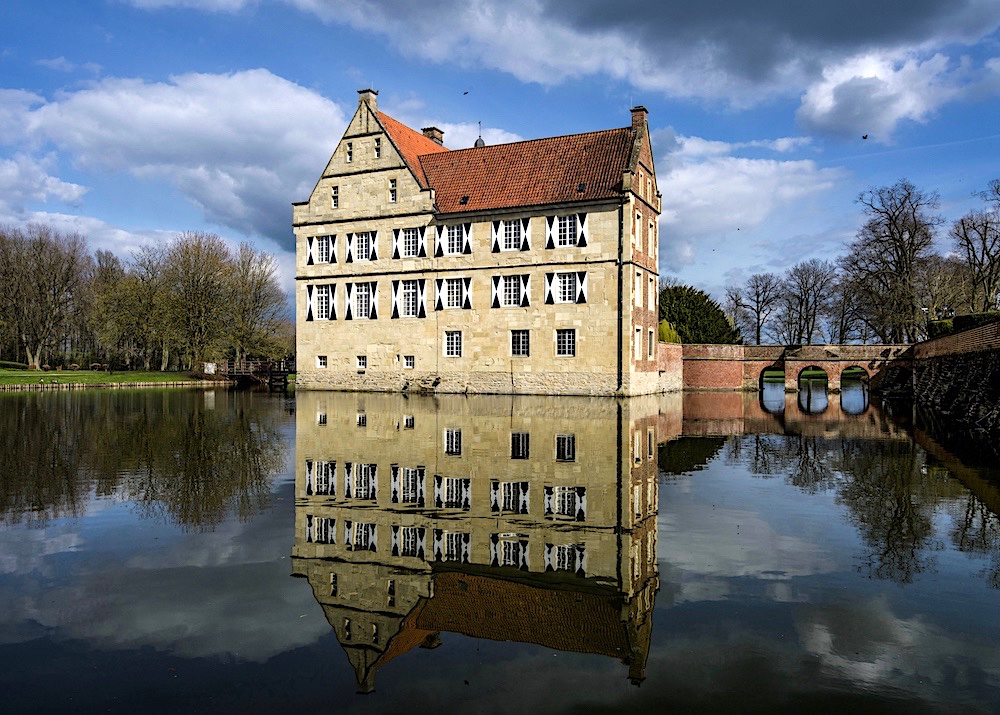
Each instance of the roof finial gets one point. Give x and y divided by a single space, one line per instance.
479 141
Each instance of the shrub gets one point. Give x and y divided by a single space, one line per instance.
940 328
667 333
974 320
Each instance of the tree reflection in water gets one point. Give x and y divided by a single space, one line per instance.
168 451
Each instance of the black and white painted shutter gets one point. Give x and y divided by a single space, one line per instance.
495 291
395 243
373 253
439 241
581 230
421 486
467 294
310 298
421 297
438 298
349 301
549 277
395 300
422 242
581 287
550 231
333 248
348 480
438 491
373 305
467 239
522 498
349 258
525 234
581 503
373 473
525 284
495 496
333 301
466 494
309 477
496 237
310 248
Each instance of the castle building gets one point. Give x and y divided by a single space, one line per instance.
521 268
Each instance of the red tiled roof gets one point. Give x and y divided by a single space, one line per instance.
411 144
530 173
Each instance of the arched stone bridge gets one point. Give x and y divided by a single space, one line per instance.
741 367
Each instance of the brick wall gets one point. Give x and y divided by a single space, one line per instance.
985 337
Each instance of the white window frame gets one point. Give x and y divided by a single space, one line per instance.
566 342
512 232
363 239
362 300
409 362
566 230
454 239
410 241
362 362
566 288
510 291
520 343
324 248
453 343
321 361
453 293
409 298
324 301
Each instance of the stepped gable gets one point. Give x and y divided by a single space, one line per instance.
411 144
566 169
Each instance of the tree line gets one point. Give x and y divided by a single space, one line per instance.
167 307
890 283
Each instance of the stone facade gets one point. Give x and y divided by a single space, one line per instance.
424 269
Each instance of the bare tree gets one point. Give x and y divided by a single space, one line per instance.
807 289
883 258
977 239
198 293
760 298
257 304
44 273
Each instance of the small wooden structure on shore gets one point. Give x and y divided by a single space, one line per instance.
273 373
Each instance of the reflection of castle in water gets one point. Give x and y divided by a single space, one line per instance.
508 518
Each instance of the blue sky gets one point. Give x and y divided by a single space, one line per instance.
132 120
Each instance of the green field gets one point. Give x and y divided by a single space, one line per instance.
89 377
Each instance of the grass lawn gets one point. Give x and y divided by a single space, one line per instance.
87 377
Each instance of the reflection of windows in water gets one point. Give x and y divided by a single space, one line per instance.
509 497
566 557
360 481
512 552
409 485
452 546
320 529
519 445
360 536
333 584
509 550
452 492
569 502
453 441
566 447
409 540
321 477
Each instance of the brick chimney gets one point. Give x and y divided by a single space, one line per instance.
434 134
639 115
368 96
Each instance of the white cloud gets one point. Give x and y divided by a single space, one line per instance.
871 94
24 179
241 146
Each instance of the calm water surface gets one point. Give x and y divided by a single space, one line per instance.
174 551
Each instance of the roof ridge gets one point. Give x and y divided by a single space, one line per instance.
537 139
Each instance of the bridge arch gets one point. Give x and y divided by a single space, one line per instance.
812 382
855 384
771 388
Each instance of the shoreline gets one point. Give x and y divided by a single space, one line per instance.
40 386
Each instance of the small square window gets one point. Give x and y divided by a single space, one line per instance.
362 362
350 152
321 361
378 148
453 343
335 197
408 421
392 191
321 418
520 343
566 342
409 361
362 419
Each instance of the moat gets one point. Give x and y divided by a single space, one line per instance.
220 551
